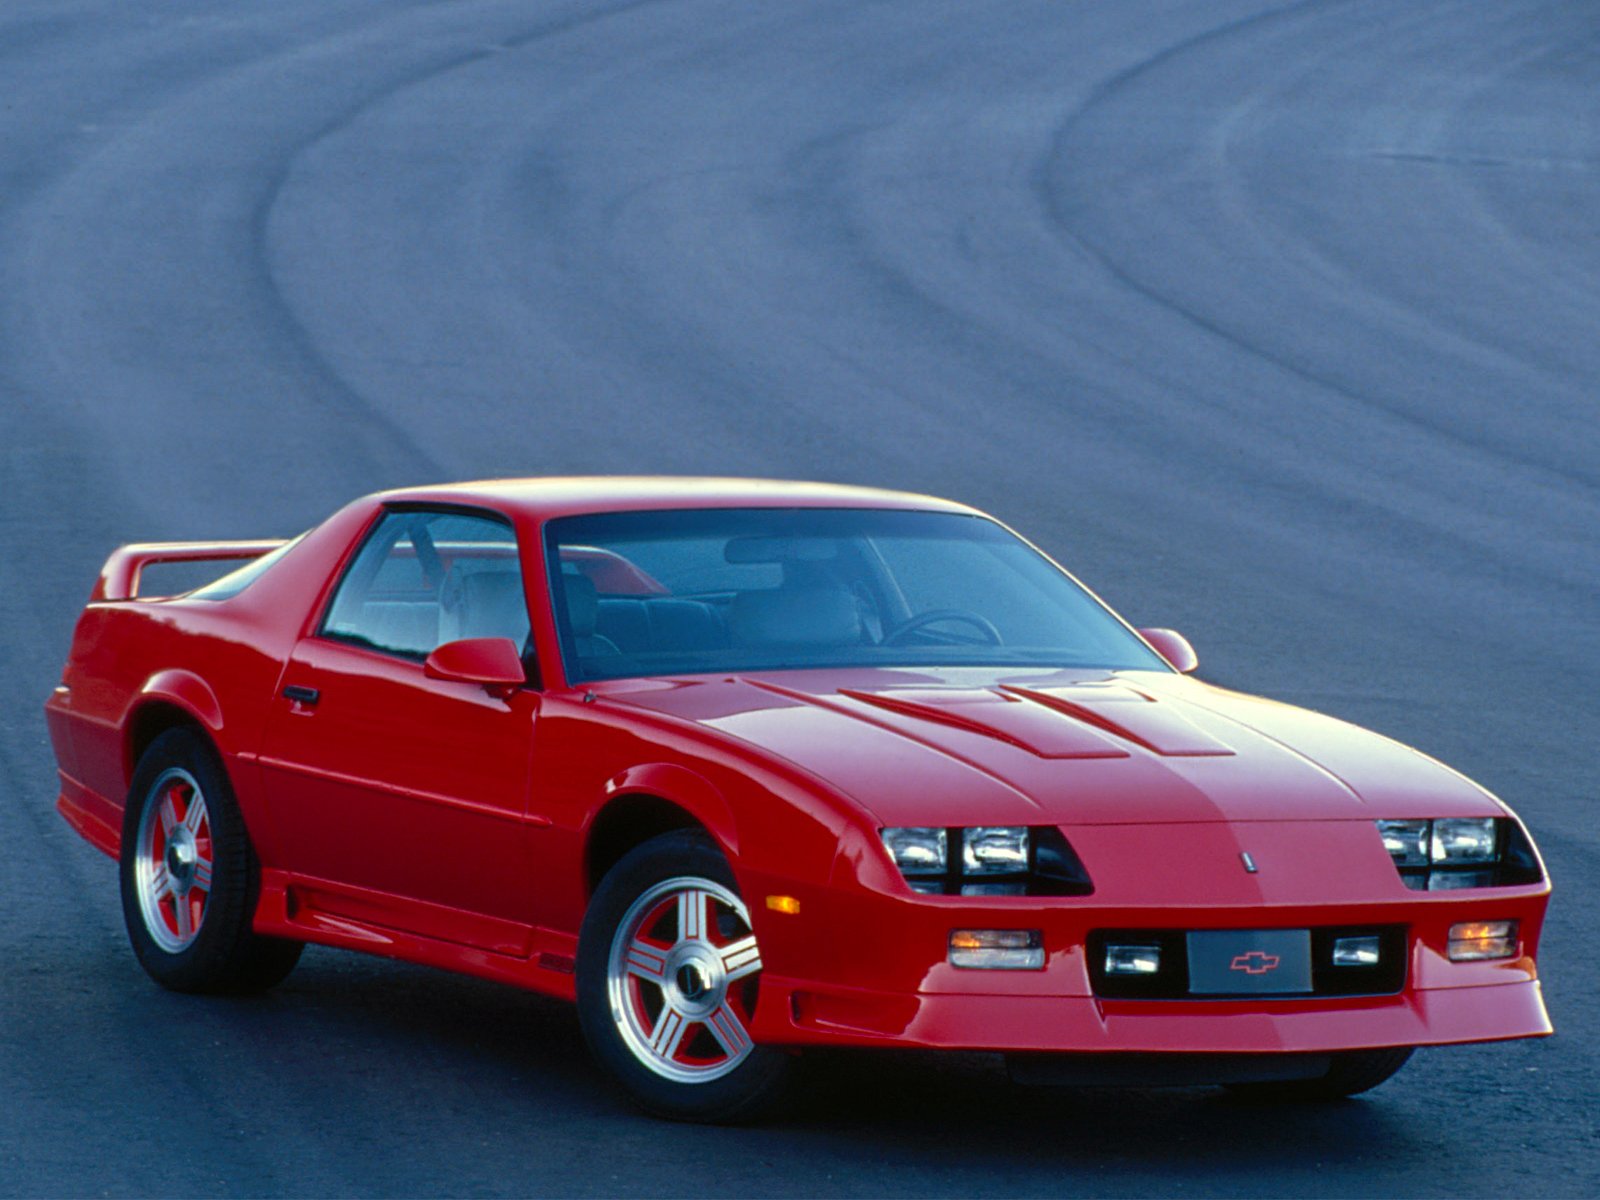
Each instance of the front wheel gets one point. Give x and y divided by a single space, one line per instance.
668 975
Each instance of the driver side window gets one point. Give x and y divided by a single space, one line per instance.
425 578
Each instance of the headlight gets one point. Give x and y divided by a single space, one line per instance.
1464 841
987 860
1406 841
918 850
994 850
1460 852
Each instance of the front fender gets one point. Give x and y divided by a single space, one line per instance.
679 785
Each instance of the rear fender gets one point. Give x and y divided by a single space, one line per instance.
181 689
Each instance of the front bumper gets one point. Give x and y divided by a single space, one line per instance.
865 962
794 1012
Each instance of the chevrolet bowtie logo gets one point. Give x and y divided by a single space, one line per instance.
1256 962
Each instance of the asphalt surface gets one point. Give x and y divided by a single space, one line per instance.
1277 322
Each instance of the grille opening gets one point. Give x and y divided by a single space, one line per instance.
1171 981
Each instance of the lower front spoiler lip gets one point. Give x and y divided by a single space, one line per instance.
793 1012
1163 1070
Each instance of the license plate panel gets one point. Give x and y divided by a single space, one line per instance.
1249 962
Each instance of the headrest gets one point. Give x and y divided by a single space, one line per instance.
583 604
800 616
491 605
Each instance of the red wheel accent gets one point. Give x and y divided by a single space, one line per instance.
683 978
174 860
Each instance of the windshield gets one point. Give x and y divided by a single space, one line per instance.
734 590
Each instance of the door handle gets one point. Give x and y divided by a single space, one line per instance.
301 695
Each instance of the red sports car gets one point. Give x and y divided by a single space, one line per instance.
747 767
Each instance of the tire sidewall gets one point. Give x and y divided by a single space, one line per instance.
230 901
751 1087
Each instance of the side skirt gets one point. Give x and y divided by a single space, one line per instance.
540 960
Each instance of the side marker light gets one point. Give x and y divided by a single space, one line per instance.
783 904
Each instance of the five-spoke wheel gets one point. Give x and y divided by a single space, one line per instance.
682 979
190 877
173 860
669 976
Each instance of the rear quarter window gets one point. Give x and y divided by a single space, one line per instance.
231 584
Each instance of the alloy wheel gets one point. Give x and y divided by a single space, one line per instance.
682 979
174 859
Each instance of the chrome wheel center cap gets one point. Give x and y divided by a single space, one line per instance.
695 980
181 856
691 982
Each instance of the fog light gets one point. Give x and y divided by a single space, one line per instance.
1355 952
1476 940
997 949
1133 960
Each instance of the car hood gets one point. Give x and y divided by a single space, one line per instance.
964 746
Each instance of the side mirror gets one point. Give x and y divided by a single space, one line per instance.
493 662
1173 647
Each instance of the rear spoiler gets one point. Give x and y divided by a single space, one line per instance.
119 578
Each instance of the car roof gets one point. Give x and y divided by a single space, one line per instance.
556 496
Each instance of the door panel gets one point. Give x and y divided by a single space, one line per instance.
401 784
398 799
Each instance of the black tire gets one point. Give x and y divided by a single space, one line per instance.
1350 1073
218 951
753 1080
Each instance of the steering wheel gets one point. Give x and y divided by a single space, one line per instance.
983 625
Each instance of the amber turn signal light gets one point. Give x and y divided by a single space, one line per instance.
1473 941
997 949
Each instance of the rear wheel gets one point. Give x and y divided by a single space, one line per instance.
190 877
668 975
1350 1073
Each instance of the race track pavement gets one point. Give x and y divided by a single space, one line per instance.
1276 322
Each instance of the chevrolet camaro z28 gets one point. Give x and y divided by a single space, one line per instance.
747 767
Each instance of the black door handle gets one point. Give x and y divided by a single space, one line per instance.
301 695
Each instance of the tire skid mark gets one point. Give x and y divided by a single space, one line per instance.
290 328
1492 68
1436 325
1556 268
1054 204
1551 477
1039 386
160 67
